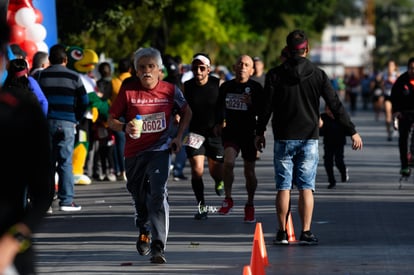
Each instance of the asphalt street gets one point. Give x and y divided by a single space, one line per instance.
364 226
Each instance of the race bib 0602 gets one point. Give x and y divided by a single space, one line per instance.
193 140
154 123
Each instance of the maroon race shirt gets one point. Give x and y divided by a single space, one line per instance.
156 106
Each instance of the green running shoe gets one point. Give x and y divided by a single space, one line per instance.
219 188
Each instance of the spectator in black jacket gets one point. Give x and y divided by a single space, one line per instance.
25 152
292 93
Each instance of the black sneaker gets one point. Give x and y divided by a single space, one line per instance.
332 185
202 213
307 238
281 238
157 253
144 244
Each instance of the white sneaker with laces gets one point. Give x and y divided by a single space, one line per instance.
81 179
111 177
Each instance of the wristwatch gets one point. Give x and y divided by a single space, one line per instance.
24 241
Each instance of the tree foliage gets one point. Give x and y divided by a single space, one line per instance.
116 28
223 29
394 32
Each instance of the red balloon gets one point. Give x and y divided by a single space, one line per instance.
18 34
29 47
15 5
11 18
39 16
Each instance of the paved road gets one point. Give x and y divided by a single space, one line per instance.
364 226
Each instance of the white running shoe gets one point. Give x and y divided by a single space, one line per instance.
81 179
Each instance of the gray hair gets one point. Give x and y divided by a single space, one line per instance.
147 52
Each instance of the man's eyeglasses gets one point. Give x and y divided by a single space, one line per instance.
201 67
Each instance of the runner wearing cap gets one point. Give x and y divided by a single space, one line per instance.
201 93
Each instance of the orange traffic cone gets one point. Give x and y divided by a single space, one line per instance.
289 229
247 270
258 235
256 260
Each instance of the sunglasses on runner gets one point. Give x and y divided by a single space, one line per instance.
201 67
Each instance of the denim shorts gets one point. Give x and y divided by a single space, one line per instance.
295 161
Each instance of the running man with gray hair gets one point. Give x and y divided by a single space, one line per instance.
148 158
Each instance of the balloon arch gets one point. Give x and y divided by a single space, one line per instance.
27 28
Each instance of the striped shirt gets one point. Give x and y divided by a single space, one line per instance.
65 93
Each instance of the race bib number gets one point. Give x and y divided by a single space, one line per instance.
377 92
387 92
193 140
235 102
154 123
